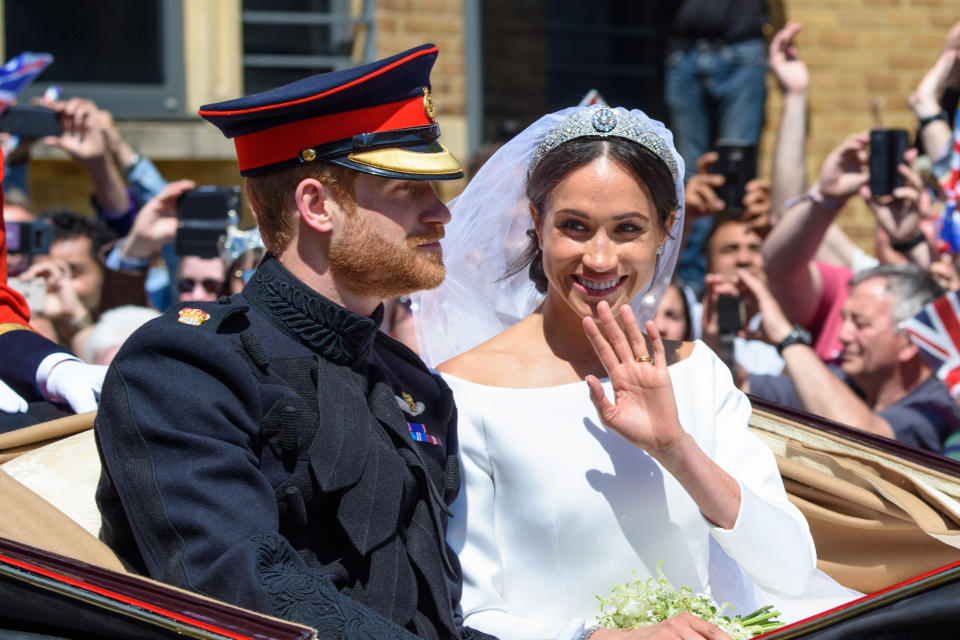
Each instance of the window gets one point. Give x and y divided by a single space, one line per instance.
125 56
561 49
614 47
286 40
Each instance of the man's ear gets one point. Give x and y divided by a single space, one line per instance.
906 349
316 205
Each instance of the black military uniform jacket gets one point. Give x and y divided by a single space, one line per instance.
279 452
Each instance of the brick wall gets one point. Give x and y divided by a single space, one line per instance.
858 51
401 24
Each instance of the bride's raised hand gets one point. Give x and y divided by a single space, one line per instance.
644 410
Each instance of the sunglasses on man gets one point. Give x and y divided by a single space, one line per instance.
210 285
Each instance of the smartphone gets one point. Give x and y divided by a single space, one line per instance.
738 165
31 121
204 214
729 314
30 238
887 147
34 291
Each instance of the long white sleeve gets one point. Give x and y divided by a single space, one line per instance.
771 539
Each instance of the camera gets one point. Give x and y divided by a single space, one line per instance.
730 314
34 292
31 121
887 147
738 165
208 225
204 215
730 320
28 238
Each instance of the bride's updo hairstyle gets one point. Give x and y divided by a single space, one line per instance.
647 168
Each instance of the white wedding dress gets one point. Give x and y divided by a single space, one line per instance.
555 509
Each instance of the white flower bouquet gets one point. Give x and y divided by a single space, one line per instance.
642 603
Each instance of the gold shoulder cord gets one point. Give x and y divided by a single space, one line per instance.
13 326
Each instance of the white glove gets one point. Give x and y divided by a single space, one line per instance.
10 400
63 378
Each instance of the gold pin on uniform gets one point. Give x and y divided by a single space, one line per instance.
193 317
406 402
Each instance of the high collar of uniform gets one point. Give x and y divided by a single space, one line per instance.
334 332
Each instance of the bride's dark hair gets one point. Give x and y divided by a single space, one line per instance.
646 167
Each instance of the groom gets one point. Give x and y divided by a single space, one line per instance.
274 449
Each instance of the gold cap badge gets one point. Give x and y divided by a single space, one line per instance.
428 107
193 317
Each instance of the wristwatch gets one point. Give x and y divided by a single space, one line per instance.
798 335
923 122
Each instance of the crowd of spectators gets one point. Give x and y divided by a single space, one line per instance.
820 319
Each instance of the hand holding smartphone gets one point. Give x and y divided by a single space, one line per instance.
730 314
887 147
28 238
738 165
31 121
33 290
204 214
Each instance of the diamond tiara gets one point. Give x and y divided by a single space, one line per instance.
604 122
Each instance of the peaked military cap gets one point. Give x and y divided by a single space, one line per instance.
377 118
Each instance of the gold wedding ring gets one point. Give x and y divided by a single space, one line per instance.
644 359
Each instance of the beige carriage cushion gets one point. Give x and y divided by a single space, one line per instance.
864 539
31 520
15 443
65 473
876 520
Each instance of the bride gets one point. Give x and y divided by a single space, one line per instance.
589 451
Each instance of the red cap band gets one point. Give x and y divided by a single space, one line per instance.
286 141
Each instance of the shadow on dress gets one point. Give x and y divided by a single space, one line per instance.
636 494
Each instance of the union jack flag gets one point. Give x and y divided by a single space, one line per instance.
936 330
950 229
18 72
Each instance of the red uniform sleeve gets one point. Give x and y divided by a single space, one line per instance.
13 308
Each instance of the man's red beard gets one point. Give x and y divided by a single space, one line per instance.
369 264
